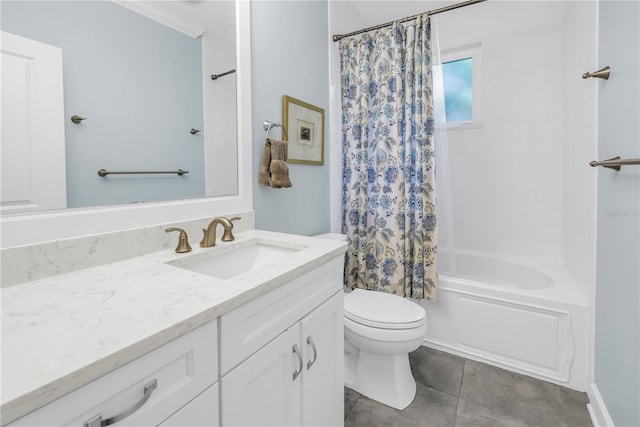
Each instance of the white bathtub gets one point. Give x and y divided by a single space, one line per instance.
525 316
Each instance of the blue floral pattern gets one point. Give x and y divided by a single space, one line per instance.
388 186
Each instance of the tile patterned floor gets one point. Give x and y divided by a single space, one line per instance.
456 392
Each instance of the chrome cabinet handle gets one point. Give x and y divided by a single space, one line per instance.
315 352
296 350
97 420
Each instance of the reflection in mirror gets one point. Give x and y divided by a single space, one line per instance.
140 87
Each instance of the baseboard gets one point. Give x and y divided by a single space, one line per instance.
597 409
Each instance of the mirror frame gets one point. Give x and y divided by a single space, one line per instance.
50 226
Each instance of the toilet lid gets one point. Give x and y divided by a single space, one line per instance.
382 310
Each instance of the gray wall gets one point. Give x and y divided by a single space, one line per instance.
138 82
289 43
617 349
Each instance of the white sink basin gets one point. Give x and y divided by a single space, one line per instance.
236 261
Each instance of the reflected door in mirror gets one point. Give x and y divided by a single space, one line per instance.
33 146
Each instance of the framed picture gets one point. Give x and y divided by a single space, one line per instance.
304 129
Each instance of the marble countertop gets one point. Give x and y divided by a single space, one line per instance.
62 332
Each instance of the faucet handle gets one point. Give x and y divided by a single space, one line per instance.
204 239
183 240
228 236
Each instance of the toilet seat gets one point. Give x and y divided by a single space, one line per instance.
382 310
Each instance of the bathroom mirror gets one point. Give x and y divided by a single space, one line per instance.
136 77
28 229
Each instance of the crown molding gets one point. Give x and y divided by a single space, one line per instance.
159 14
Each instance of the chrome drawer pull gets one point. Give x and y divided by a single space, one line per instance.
315 352
296 350
97 421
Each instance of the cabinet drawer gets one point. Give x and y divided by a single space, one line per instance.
200 412
246 329
181 369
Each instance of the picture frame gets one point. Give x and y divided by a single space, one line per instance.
304 130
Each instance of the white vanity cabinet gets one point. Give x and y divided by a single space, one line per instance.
282 354
175 380
269 350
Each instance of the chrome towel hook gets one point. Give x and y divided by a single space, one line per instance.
267 126
602 73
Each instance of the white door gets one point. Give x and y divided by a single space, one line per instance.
617 346
262 391
32 144
323 382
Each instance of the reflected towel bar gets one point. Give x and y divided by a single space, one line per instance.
104 172
602 73
615 163
217 76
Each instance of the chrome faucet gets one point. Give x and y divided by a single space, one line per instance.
209 238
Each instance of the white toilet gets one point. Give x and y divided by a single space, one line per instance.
380 330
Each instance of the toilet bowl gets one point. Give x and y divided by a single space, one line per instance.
380 330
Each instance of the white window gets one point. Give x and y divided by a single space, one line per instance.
461 68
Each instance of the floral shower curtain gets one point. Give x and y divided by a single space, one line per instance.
388 204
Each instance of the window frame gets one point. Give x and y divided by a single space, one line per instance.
465 52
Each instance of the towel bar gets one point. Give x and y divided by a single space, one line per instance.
217 76
615 163
104 172
602 73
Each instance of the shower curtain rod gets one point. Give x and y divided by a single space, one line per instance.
337 37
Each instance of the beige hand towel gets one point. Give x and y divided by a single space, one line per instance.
263 176
274 170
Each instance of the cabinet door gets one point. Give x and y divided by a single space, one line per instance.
251 326
323 379
200 412
262 390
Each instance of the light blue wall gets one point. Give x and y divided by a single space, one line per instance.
617 349
289 43
139 83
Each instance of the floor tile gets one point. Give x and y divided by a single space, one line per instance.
437 369
473 415
488 397
350 399
516 395
430 408
367 412
572 404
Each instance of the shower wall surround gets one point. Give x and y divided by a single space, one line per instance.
579 147
506 176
